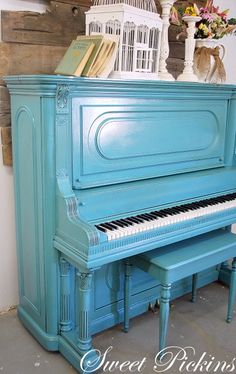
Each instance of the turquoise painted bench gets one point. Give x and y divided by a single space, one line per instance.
177 261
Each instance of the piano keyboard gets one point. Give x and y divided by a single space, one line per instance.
153 220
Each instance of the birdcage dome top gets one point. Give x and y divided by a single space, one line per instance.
141 4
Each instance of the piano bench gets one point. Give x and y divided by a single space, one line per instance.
177 261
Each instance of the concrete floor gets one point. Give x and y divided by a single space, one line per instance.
201 325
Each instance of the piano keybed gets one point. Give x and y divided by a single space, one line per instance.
131 225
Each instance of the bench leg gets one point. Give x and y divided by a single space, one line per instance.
164 314
232 292
194 287
127 294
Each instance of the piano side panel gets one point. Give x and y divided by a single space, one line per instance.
29 207
133 140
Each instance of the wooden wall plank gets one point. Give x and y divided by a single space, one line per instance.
59 26
5 117
6 135
6 146
16 58
85 3
7 155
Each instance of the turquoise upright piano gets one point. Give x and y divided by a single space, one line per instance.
95 162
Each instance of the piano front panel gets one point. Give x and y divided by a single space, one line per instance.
144 139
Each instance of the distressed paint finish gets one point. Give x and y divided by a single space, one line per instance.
65 183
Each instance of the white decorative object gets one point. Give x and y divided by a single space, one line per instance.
163 72
188 73
139 26
211 56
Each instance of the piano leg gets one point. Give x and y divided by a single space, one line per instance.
164 315
232 292
84 339
127 294
65 297
194 287
89 357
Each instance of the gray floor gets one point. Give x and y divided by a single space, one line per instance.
201 325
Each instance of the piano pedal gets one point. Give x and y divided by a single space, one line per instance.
154 308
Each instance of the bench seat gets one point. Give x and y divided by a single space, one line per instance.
177 261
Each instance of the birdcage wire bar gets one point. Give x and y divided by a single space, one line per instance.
148 5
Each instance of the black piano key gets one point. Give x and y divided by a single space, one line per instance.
223 199
126 224
99 227
172 211
195 207
168 211
120 223
160 215
190 207
183 209
131 223
136 220
154 217
176 210
145 217
117 224
108 226
155 214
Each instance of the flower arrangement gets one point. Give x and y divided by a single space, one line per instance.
214 24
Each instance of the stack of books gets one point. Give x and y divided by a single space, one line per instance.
90 56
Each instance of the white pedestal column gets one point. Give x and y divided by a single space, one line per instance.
188 73
164 52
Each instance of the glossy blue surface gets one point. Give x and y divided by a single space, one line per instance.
88 151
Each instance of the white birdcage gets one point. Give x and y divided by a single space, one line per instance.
139 26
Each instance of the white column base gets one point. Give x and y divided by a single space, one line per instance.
165 76
187 77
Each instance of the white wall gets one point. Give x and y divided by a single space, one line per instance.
229 42
34 5
8 269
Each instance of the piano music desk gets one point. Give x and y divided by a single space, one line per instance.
177 261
